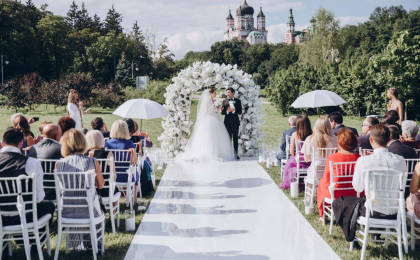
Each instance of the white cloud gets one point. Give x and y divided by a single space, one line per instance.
351 20
181 43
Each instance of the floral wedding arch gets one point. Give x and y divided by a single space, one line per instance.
200 76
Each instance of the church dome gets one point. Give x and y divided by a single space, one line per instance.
245 9
261 14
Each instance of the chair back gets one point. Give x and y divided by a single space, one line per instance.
387 188
418 152
319 159
363 152
18 192
341 177
123 159
108 171
48 166
77 187
287 152
411 164
300 173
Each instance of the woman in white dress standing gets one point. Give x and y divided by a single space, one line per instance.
74 110
210 140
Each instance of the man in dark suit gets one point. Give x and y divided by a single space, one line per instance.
232 108
364 142
50 149
396 147
336 120
289 132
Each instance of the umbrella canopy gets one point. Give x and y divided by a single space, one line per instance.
318 98
141 109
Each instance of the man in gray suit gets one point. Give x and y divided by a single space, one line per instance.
289 132
49 148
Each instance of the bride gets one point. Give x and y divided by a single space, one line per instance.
210 140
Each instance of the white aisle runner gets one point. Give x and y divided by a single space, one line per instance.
230 210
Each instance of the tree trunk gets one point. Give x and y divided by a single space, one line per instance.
405 111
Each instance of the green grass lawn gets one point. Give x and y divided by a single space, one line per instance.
117 245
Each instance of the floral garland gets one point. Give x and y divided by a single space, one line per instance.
202 75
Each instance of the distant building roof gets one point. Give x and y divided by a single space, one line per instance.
245 9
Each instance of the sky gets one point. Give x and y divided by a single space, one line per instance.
194 25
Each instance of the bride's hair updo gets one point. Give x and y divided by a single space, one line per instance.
212 90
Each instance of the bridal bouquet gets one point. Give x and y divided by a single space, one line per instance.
218 103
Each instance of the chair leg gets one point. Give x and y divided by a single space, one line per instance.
68 243
351 246
413 239
9 245
111 216
103 238
365 240
323 215
1 243
57 246
118 214
386 238
38 244
331 220
47 230
93 240
400 249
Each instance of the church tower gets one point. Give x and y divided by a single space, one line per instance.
290 22
230 22
261 21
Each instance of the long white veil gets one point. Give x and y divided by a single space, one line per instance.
209 140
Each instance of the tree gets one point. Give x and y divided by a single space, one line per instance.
15 96
399 67
107 96
96 24
72 14
113 21
30 85
55 93
123 76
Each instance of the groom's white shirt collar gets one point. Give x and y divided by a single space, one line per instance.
233 99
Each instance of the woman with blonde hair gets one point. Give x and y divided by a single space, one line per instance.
322 137
21 123
395 103
73 109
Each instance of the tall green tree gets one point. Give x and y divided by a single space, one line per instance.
113 21
123 77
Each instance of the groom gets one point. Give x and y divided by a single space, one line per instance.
232 108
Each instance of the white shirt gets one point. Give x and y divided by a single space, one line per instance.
233 112
380 159
32 166
74 113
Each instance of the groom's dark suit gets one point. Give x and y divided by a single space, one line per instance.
232 120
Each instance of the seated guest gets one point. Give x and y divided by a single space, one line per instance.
14 164
366 126
336 120
303 130
48 148
99 124
66 123
31 120
22 124
391 117
133 127
120 140
41 126
396 147
413 202
73 148
380 159
322 137
347 142
289 132
95 145
409 133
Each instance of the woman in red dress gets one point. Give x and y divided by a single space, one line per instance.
347 143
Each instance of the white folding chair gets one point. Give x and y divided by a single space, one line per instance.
123 163
415 231
48 166
318 167
108 171
341 175
387 187
18 197
418 152
284 161
78 188
411 164
300 173
363 152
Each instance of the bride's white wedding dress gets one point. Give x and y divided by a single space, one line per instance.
209 140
